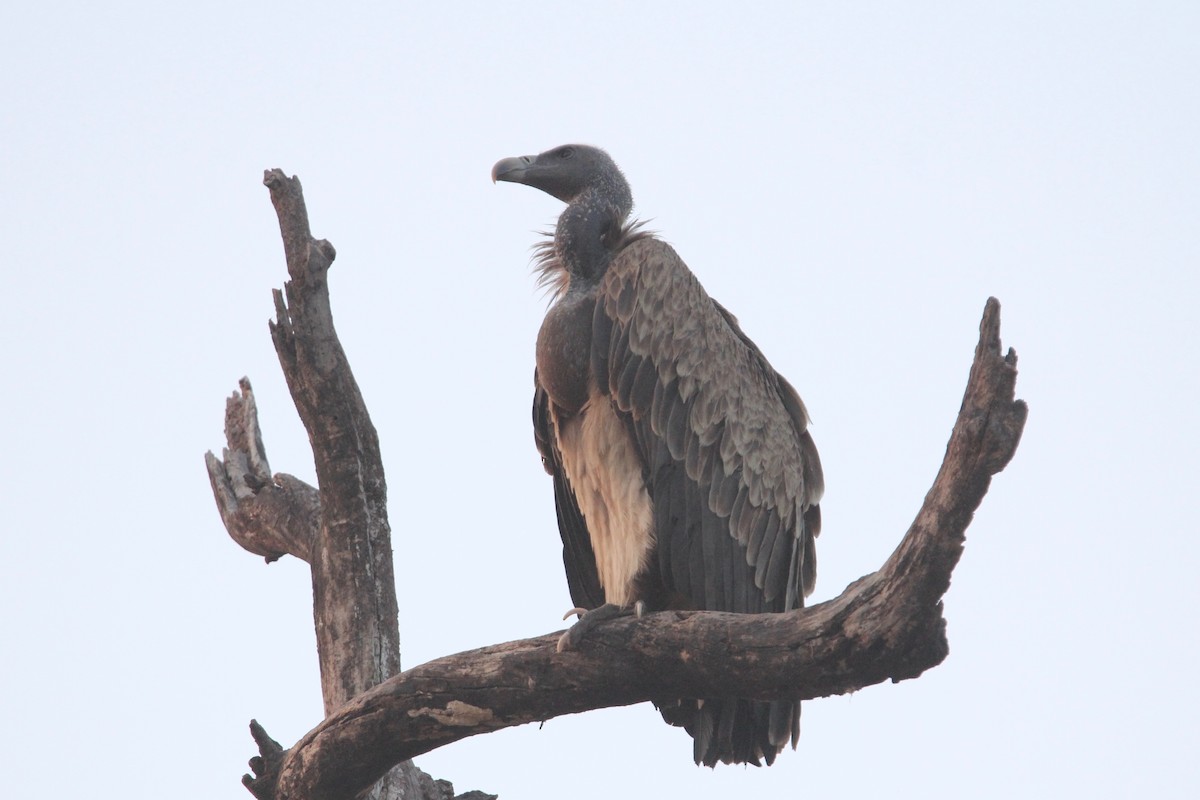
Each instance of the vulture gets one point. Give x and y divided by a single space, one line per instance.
684 473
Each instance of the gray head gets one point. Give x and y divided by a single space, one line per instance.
568 172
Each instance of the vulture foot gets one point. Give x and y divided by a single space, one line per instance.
590 619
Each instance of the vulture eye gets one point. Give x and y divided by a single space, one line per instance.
566 152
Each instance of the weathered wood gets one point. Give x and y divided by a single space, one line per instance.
354 596
887 625
340 529
269 515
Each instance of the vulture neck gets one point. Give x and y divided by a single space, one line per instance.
591 229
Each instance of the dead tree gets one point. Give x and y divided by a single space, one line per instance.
887 625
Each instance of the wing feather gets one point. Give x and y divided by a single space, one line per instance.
724 492
736 525
786 547
625 380
695 544
762 542
643 389
709 544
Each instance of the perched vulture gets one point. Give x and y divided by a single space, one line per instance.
684 473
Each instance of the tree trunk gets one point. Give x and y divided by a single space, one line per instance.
341 529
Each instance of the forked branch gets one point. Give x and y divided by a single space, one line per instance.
887 625
340 529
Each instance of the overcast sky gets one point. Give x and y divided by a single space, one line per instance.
852 180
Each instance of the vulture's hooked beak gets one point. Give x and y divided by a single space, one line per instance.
512 169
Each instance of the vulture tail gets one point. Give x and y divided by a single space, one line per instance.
736 731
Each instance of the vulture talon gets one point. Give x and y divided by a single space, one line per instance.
590 619
577 611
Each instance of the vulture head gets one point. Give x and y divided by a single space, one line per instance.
594 224
568 172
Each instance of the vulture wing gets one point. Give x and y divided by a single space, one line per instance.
730 466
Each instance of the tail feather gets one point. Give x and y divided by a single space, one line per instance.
784 725
701 729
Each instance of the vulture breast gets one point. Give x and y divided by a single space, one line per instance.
564 350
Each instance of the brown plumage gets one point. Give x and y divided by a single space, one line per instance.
684 473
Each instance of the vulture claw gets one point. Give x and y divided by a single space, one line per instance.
577 611
576 633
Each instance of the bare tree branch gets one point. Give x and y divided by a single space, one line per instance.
340 529
270 516
887 625
354 594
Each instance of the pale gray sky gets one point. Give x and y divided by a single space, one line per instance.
852 180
